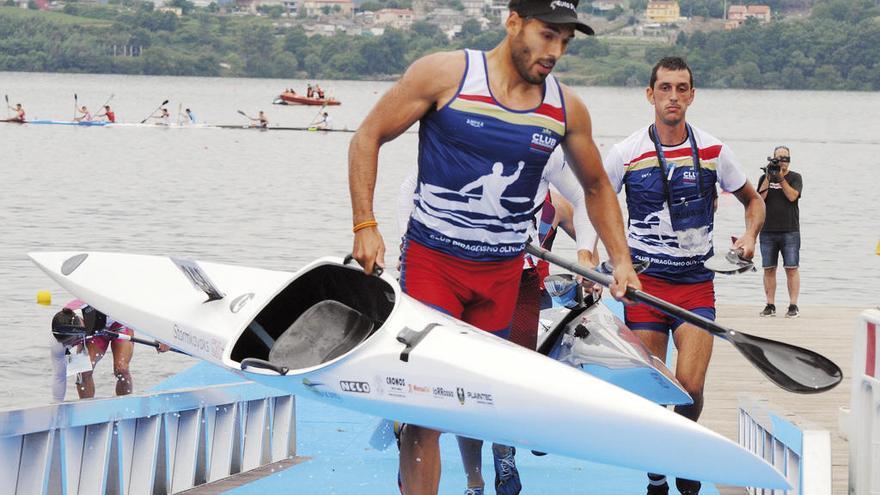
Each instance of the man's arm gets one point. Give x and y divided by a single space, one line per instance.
424 84
763 186
792 191
602 207
754 206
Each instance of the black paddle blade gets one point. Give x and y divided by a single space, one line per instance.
793 368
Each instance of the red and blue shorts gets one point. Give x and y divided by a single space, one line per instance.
482 293
698 298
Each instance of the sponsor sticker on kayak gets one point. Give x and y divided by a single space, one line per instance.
420 389
354 387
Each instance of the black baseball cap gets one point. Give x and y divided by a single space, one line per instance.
552 11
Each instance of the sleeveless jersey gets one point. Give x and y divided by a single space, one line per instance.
480 165
633 164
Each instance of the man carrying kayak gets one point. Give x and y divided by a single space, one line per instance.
19 113
562 205
670 170
492 119
107 114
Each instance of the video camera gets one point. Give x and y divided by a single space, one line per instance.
773 167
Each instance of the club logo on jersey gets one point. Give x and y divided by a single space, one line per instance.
543 143
474 123
690 176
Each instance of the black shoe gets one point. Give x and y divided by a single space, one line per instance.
657 485
688 487
793 311
769 310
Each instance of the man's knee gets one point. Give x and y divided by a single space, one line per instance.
419 435
693 386
121 372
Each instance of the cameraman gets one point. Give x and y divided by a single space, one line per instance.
781 190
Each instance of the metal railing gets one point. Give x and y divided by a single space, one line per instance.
800 451
150 444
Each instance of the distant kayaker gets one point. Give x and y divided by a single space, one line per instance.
190 117
164 116
669 171
108 114
326 122
261 119
85 115
458 256
19 113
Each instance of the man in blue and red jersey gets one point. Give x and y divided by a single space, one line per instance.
486 119
669 170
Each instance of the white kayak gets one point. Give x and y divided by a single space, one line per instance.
337 335
596 341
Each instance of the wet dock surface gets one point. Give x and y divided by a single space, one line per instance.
826 330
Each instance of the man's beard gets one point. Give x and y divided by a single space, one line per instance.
521 55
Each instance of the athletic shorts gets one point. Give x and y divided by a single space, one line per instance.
482 293
103 341
788 243
524 328
698 298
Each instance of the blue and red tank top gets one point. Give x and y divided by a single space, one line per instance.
480 165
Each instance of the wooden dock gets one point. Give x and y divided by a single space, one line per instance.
827 330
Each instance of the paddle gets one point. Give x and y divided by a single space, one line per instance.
790 367
245 115
7 106
72 334
106 103
315 118
731 263
75 105
154 111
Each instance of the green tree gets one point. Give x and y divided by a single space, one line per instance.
185 6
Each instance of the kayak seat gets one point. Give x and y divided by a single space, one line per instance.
323 332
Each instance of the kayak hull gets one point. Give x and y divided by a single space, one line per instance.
296 99
415 364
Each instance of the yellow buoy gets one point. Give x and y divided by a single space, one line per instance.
44 297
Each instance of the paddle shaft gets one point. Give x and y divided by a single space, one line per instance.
632 294
7 105
75 105
137 340
315 118
790 367
105 103
154 111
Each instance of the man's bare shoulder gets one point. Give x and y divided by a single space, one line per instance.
577 118
573 100
439 70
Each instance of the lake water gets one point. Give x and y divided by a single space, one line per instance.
280 199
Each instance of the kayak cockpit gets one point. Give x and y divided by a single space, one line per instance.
321 315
